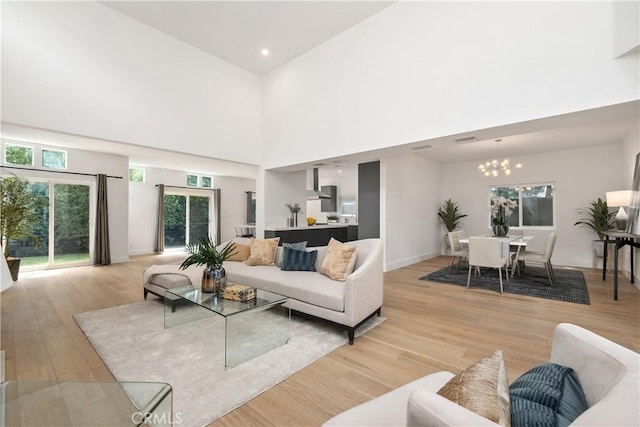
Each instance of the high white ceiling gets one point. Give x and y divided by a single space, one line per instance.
237 31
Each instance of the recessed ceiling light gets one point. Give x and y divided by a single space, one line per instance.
264 52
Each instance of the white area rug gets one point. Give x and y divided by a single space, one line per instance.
133 343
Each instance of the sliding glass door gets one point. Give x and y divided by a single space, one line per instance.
186 219
70 224
60 236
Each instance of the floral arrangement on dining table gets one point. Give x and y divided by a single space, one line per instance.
501 209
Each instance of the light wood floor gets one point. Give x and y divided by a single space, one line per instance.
429 327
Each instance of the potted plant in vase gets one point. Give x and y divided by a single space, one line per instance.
295 209
598 219
205 253
18 207
450 216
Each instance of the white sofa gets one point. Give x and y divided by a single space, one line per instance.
608 372
349 303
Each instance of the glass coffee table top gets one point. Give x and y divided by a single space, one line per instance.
222 306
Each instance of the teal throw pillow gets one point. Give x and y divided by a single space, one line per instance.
294 260
299 246
547 395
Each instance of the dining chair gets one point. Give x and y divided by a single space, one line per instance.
487 252
541 257
458 250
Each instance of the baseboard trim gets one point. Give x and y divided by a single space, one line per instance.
409 261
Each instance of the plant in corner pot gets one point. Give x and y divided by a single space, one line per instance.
501 210
598 219
205 253
295 209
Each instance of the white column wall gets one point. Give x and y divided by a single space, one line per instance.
83 68
410 187
421 70
580 176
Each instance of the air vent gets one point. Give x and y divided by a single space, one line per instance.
466 140
421 147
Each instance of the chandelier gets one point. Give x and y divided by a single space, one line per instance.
497 165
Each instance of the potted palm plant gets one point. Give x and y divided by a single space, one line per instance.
17 215
450 216
205 253
598 219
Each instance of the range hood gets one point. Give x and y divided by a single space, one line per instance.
315 193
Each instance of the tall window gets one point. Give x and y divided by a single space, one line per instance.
535 204
186 219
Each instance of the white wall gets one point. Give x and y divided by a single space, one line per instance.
92 163
420 70
580 176
279 188
410 187
143 205
83 68
627 23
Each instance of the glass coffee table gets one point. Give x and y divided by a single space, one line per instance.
78 403
251 328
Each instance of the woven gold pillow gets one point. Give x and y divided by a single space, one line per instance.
240 253
338 261
482 388
262 251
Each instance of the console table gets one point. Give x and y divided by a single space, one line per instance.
620 239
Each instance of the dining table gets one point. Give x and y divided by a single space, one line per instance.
520 243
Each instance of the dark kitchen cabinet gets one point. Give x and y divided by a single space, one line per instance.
329 205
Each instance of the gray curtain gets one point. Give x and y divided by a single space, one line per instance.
160 226
249 204
102 248
216 215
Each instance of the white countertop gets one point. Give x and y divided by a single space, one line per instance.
312 227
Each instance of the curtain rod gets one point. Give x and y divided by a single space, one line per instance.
188 188
54 171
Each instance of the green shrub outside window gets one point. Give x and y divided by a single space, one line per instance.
192 180
136 175
18 154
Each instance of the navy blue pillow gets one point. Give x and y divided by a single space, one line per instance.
294 260
547 395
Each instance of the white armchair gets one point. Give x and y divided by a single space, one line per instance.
608 372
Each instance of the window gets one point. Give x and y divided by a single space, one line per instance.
18 154
192 180
136 175
207 182
55 159
535 204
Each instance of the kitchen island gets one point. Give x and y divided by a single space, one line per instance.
314 235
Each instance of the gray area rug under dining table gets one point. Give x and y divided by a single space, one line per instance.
570 285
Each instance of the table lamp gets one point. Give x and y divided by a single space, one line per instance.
620 199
